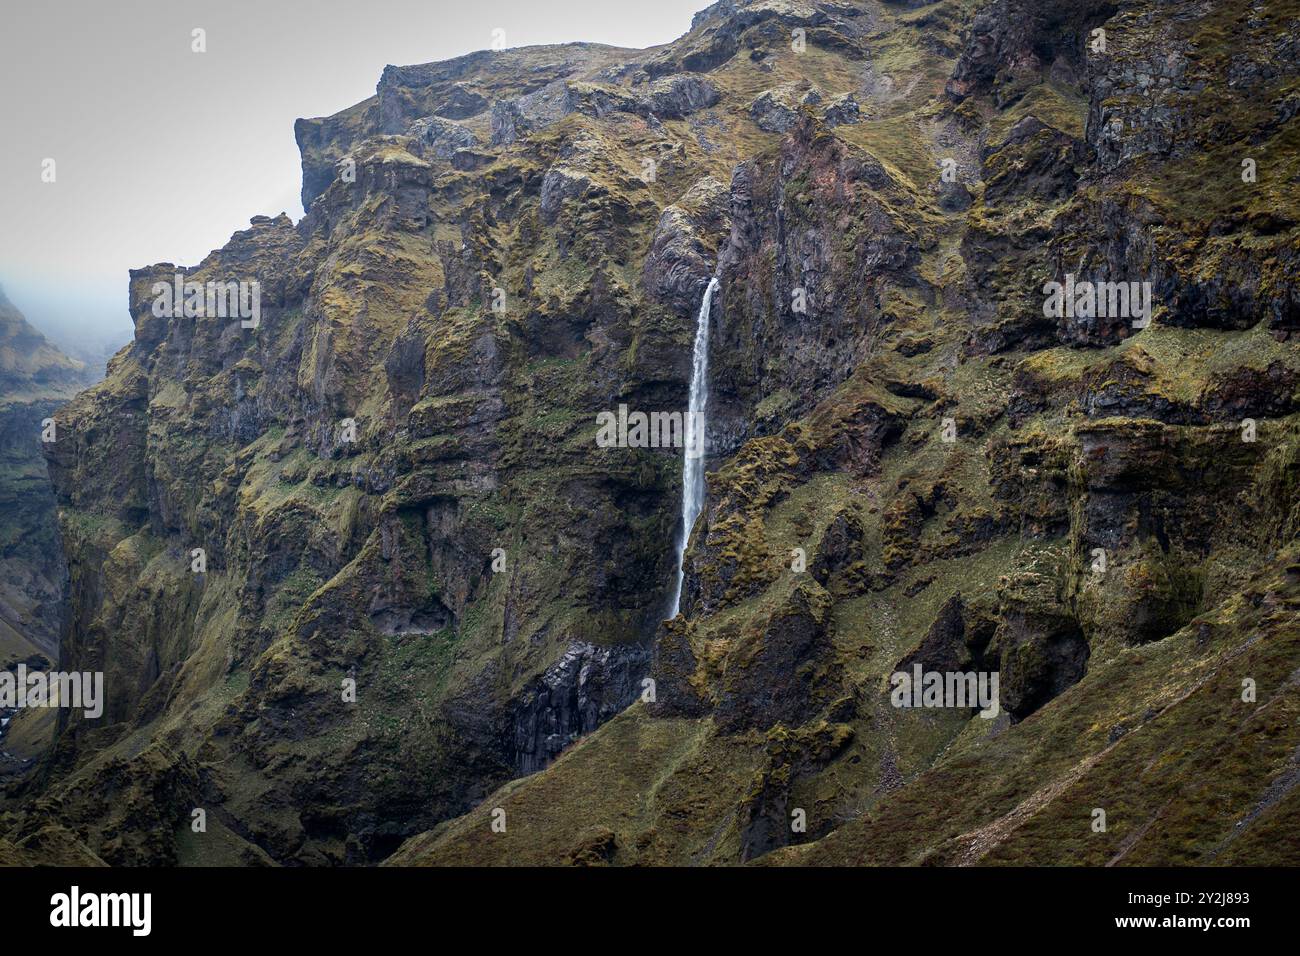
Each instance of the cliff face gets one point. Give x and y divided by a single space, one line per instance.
35 379
396 488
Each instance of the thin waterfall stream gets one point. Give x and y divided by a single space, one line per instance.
694 429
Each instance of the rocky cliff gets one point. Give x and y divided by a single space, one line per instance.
35 379
364 586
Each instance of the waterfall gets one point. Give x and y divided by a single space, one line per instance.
695 430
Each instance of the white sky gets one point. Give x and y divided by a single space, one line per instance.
162 153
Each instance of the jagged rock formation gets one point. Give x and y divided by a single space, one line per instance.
912 462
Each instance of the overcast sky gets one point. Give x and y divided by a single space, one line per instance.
161 153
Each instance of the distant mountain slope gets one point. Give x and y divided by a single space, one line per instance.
31 369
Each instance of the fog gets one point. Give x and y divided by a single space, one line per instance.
160 153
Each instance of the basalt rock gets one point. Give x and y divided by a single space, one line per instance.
956 641
775 111
574 696
683 252
444 136
1014 42
781 675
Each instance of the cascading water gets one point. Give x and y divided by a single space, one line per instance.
694 430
